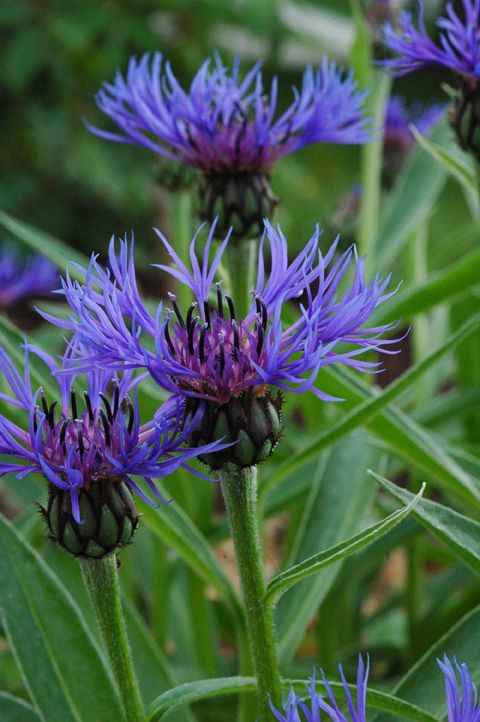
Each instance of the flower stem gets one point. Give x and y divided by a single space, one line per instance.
239 487
372 170
241 259
101 580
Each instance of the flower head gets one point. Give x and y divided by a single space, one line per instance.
24 278
88 447
457 50
227 124
295 710
464 707
228 127
209 353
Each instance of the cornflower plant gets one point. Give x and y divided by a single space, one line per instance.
457 50
226 127
265 353
88 457
228 364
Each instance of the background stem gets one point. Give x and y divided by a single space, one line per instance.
101 580
239 487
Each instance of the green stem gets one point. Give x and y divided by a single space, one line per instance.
247 708
372 171
241 259
181 219
101 580
239 487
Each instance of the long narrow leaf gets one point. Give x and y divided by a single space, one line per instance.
313 564
48 636
211 688
458 532
59 253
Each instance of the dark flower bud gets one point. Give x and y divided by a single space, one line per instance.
108 515
240 200
252 420
464 118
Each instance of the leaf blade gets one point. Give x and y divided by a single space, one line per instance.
59 661
291 576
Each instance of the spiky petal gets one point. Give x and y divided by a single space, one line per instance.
317 702
207 352
461 706
458 48
227 124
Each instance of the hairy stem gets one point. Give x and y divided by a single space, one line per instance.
239 487
101 580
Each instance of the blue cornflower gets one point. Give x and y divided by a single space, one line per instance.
295 710
209 353
88 448
466 708
224 124
228 128
458 49
22 278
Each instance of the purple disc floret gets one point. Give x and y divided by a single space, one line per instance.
209 353
227 123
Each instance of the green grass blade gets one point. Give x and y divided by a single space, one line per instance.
59 253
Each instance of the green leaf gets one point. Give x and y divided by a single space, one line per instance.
371 180
424 683
455 165
211 688
407 208
361 53
195 691
14 709
60 665
339 497
171 524
458 532
447 285
279 584
60 254
399 431
153 671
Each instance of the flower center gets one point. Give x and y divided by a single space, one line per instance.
79 441
219 353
